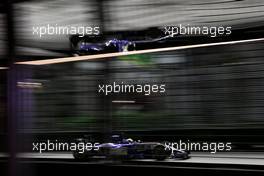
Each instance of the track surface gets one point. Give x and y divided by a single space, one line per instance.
244 158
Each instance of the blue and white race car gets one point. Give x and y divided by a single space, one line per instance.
128 149
129 41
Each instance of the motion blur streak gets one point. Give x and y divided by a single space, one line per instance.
3 68
122 101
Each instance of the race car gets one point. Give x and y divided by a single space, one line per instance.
111 45
119 42
129 149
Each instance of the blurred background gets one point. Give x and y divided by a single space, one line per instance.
212 93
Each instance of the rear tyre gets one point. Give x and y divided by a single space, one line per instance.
159 153
185 156
79 156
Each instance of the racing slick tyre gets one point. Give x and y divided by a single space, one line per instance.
82 156
185 156
159 153
79 156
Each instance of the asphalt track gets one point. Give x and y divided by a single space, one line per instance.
242 158
204 164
